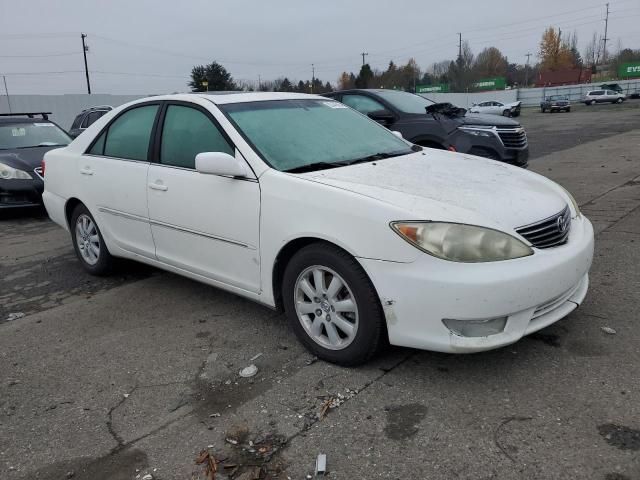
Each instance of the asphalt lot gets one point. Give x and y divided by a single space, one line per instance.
137 373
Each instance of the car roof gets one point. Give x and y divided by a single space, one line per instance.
14 120
371 90
221 98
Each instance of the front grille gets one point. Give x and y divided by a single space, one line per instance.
550 232
513 137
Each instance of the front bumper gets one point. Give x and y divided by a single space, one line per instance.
531 292
490 147
21 193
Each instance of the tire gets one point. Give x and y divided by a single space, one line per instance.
568 110
593 102
332 342
620 100
93 254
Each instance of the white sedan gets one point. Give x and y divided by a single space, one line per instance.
301 203
497 108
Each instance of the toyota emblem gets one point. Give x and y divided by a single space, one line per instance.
562 226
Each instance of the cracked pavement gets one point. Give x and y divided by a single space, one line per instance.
137 373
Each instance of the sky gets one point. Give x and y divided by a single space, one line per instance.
150 46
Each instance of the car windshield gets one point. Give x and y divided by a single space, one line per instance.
404 101
296 134
36 134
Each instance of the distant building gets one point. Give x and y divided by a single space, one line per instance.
557 78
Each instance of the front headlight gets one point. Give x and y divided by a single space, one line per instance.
10 173
461 243
576 208
477 131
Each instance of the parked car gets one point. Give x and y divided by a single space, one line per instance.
555 103
497 108
634 94
85 118
603 96
444 126
24 139
612 86
299 202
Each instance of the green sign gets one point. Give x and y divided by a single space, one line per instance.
496 83
628 70
439 88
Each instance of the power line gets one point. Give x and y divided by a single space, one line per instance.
41 56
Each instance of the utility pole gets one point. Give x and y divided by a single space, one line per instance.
7 90
313 76
364 54
526 71
459 47
604 40
86 69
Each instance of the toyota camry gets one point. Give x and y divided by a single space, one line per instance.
304 204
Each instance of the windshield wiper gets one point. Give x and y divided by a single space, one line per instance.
315 166
369 158
378 156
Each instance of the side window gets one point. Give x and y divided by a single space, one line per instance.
98 147
187 132
85 121
128 136
76 122
93 116
362 103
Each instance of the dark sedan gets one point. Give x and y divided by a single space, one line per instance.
24 139
441 125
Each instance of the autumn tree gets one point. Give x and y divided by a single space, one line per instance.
346 81
553 54
490 63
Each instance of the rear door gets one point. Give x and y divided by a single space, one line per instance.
205 224
113 176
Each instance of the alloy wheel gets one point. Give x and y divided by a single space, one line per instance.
326 307
87 239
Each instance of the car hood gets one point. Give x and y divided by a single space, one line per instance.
488 120
24 158
444 186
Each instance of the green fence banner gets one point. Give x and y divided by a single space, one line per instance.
439 88
629 70
496 83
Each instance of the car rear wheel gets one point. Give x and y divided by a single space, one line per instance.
88 242
332 305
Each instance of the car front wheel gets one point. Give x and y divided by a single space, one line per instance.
619 100
332 305
88 242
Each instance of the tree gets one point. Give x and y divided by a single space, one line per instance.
553 54
460 72
593 51
365 77
571 45
215 74
490 63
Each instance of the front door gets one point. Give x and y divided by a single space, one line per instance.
205 224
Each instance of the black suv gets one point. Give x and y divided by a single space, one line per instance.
441 125
24 139
85 118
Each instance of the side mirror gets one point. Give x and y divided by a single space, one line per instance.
384 116
219 163
397 134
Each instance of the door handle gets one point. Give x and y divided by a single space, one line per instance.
158 186
86 171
